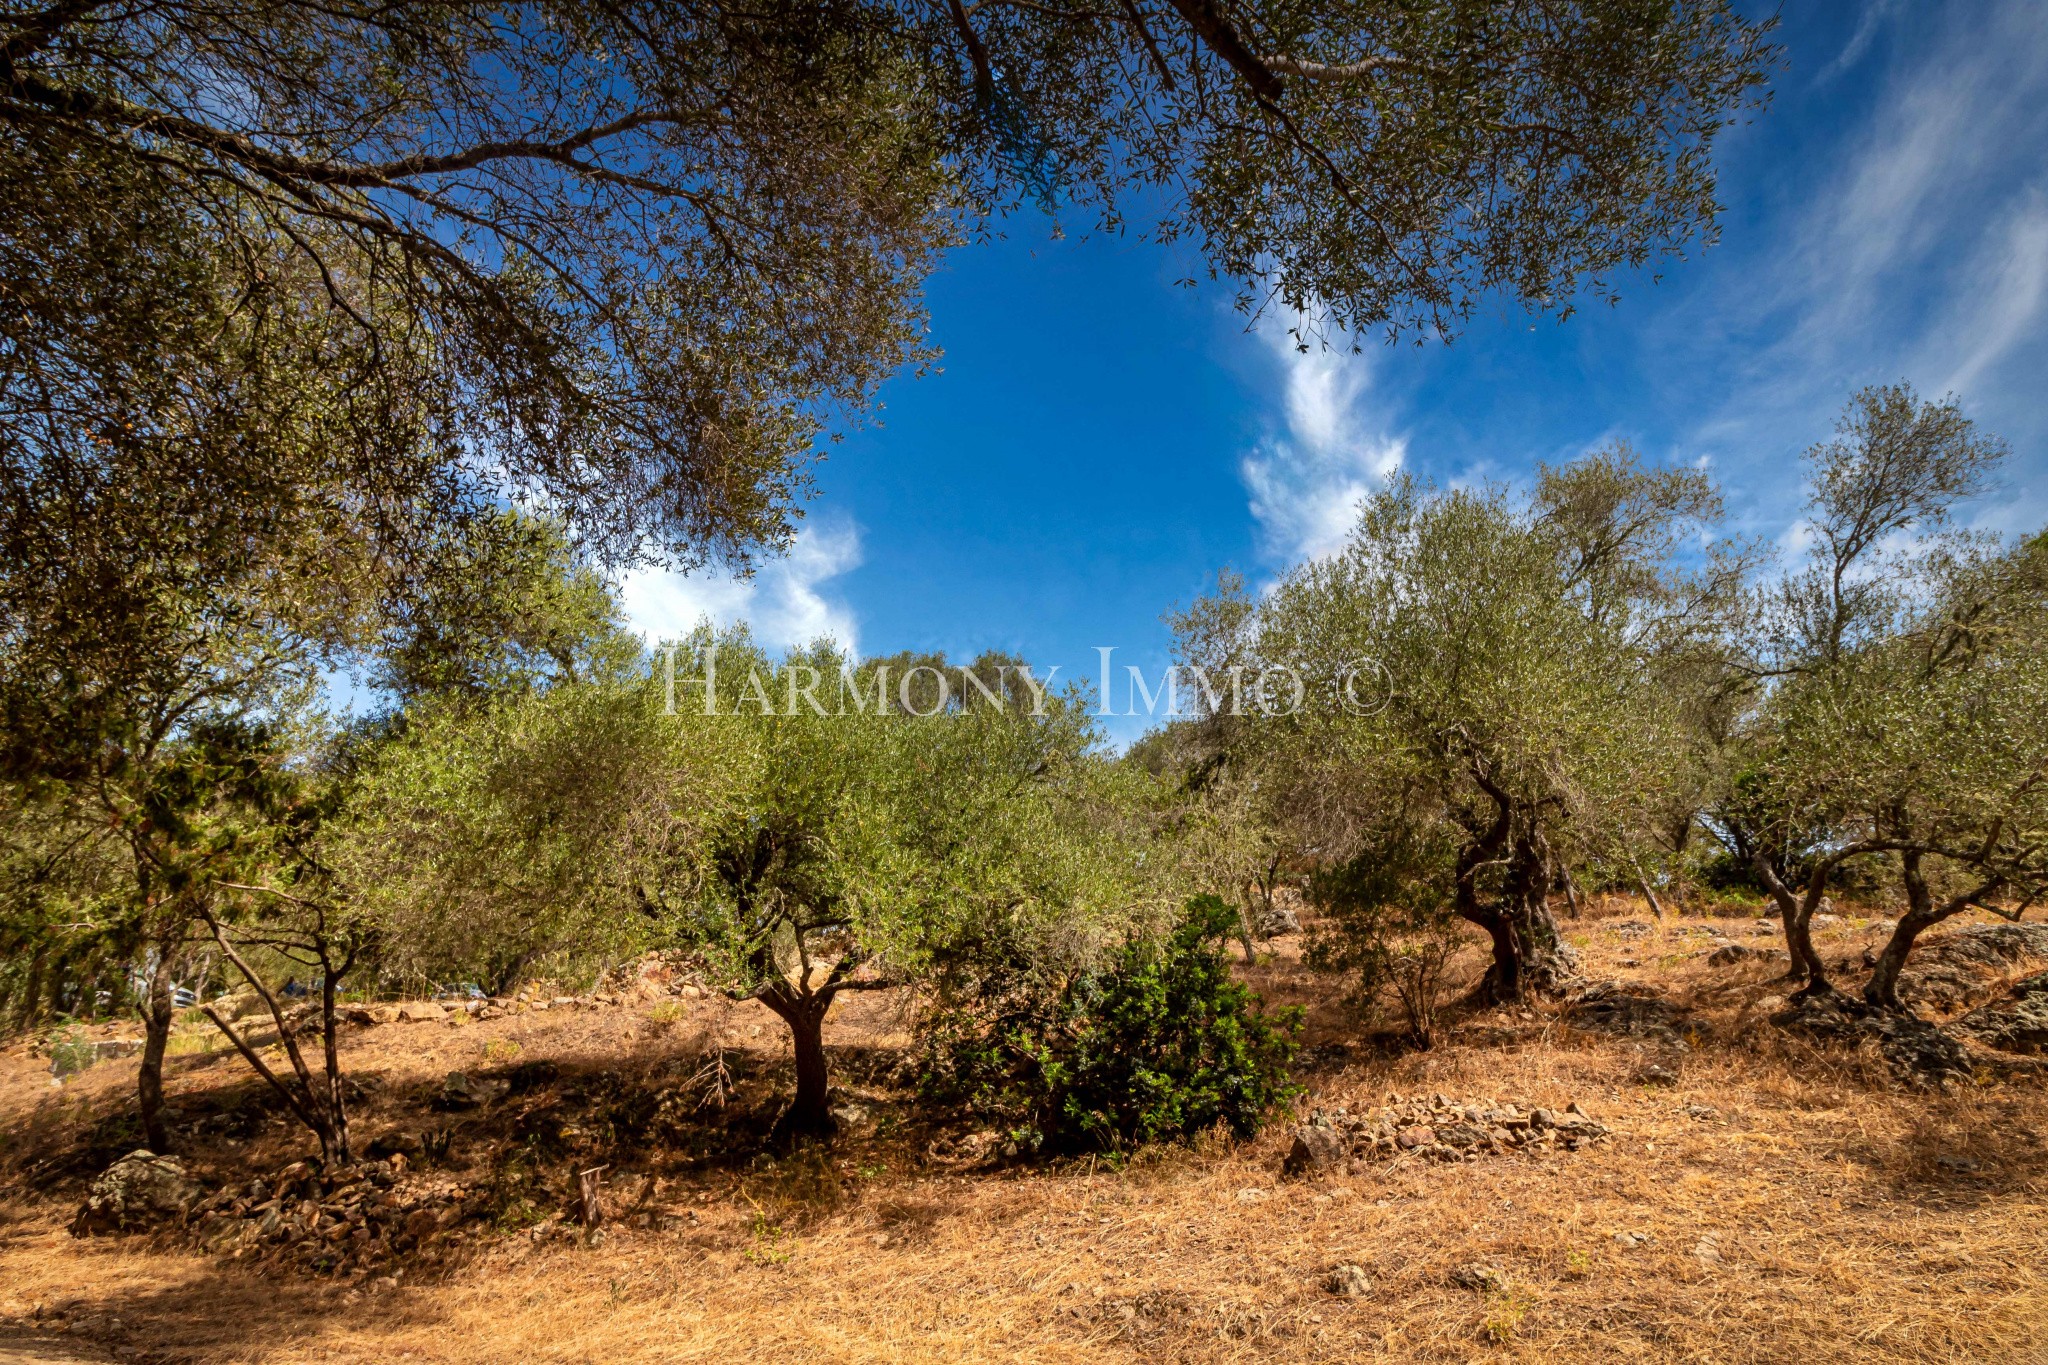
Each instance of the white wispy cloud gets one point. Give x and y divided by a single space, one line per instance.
1876 13
2000 307
1916 248
1945 155
1326 451
787 601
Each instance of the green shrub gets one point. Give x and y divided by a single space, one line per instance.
70 1050
1160 1044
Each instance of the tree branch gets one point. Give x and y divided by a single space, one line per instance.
1347 71
249 1055
1205 17
1151 44
84 104
38 31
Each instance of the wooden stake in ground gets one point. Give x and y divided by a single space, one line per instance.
592 1210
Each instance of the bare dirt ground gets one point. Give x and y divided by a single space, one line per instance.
1759 1200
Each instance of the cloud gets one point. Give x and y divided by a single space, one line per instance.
1306 477
1946 149
1915 247
1876 14
1797 542
784 602
2009 287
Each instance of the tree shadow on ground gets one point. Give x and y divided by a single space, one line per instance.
1963 1151
211 1309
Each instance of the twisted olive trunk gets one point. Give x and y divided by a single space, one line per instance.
807 1115
1882 989
1547 962
1503 979
1797 912
1921 914
1643 883
1806 959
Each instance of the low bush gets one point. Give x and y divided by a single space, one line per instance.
1160 1044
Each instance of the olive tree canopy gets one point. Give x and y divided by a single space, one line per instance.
631 258
1904 704
1494 690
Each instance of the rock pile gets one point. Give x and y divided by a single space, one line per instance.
1727 954
1916 1051
2016 1023
1969 966
354 1222
135 1192
1626 1010
1436 1128
1479 1276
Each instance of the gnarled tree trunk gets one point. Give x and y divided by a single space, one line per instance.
1921 914
1797 912
1548 962
807 1115
1528 952
1503 979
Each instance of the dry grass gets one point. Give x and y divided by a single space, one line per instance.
1820 1217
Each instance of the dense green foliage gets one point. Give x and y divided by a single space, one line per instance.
379 361
285 375
1494 691
1157 1043
1492 702
639 253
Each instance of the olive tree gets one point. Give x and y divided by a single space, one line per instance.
1490 691
260 928
489 839
1955 772
1902 712
862 845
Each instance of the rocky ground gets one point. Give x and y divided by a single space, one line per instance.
1650 1168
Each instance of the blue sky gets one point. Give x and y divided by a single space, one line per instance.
1100 441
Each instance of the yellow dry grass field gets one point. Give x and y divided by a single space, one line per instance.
1773 1202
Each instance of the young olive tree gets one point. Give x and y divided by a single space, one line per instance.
183 797
299 932
237 806
864 842
1903 713
1238 844
1490 690
493 814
